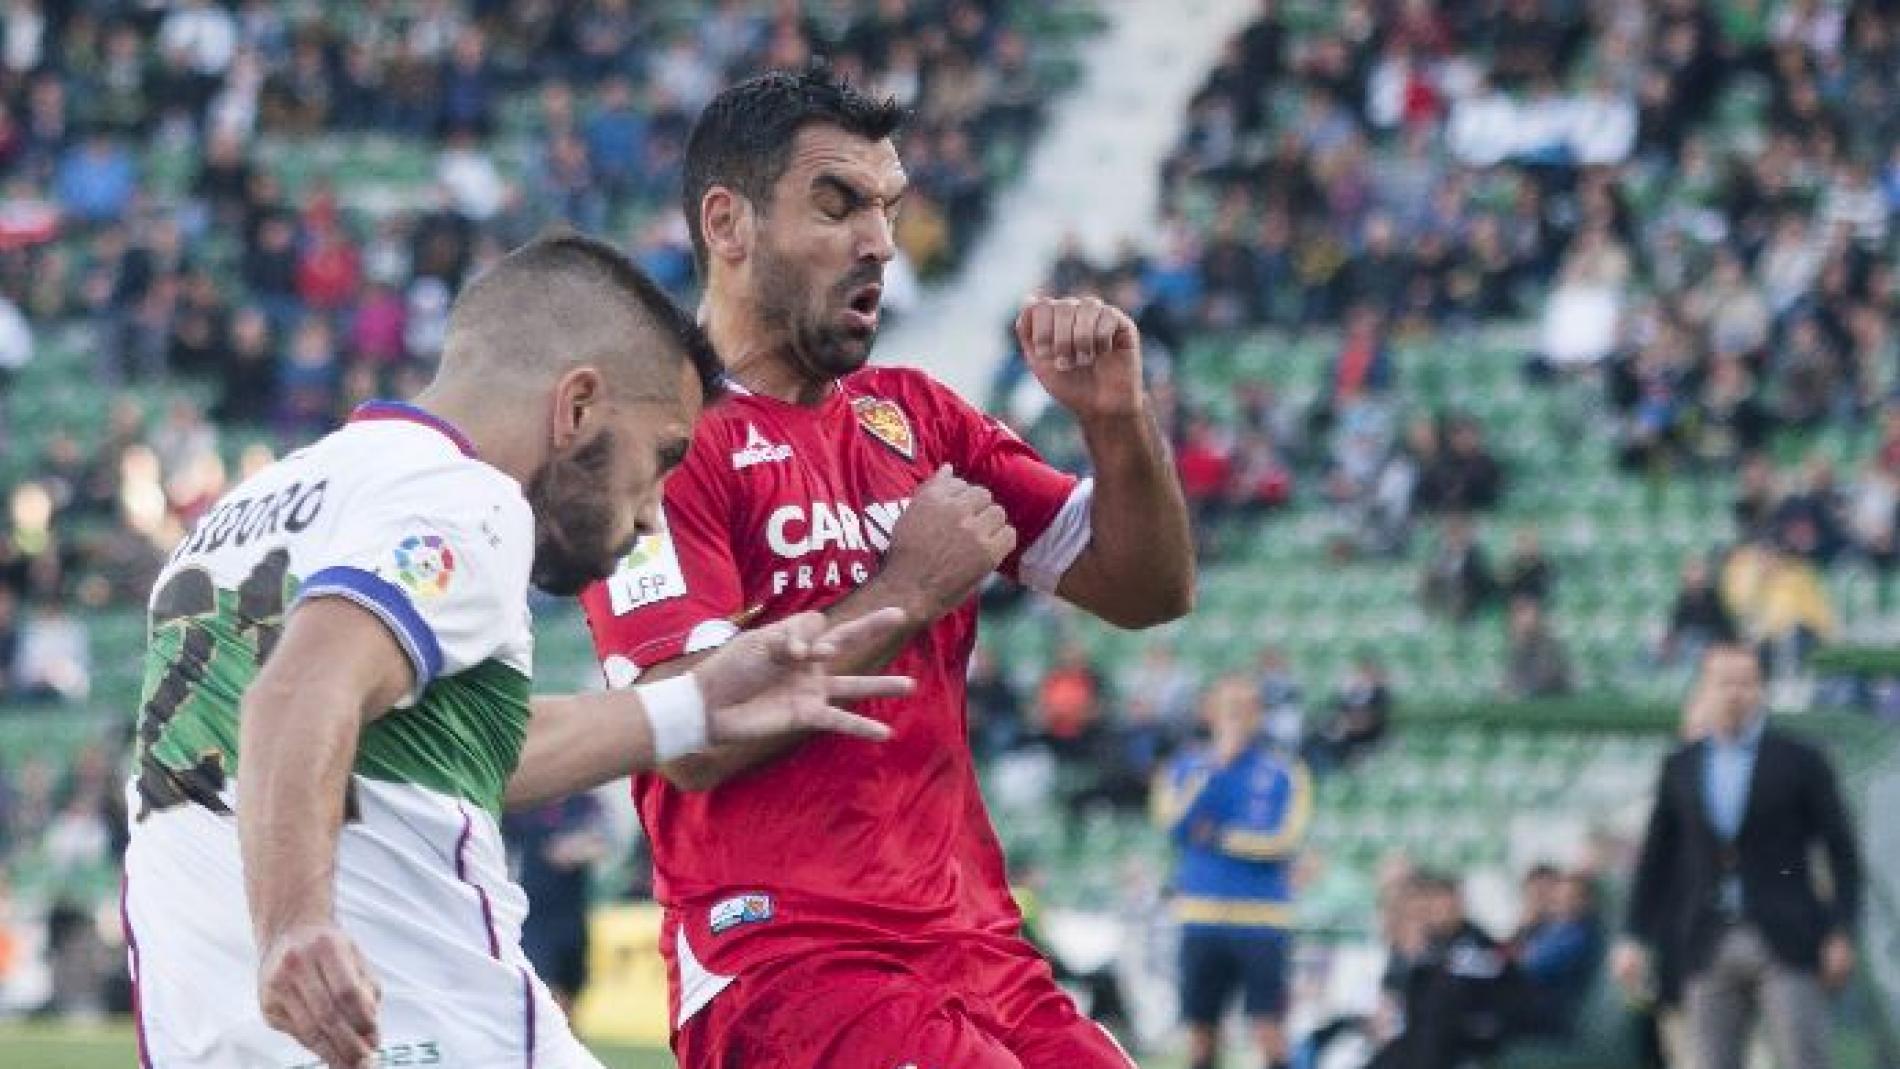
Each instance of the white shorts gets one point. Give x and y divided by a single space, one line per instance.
422 887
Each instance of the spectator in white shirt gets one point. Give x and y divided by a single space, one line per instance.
16 339
54 660
1854 199
202 30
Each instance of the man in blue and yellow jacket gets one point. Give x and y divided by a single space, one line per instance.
1238 813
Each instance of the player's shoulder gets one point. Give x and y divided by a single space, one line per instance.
416 468
1794 745
726 422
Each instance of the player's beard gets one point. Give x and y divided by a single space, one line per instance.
574 519
823 349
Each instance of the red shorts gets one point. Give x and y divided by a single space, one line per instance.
950 1003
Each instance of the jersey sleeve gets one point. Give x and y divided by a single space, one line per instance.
679 592
1178 791
441 557
1280 827
1048 508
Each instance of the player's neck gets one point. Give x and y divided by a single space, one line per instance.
759 359
771 373
499 443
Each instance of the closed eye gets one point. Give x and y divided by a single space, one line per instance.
836 197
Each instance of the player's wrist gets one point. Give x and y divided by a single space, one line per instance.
676 715
1114 420
915 599
275 935
1116 440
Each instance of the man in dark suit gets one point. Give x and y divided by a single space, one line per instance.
1725 880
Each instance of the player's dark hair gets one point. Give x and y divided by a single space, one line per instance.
743 140
565 253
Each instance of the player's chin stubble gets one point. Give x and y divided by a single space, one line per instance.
573 519
825 350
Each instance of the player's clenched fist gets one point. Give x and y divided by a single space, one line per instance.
1086 353
315 986
951 536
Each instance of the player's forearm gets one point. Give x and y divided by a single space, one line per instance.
577 742
882 592
710 767
298 746
1138 569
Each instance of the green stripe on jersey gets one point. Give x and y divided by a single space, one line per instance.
207 644
463 738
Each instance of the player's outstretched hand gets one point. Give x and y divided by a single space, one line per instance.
951 536
315 986
1085 352
773 681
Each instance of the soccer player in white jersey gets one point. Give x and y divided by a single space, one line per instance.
336 702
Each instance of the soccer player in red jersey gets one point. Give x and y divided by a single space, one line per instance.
838 905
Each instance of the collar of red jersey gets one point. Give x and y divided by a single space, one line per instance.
739 389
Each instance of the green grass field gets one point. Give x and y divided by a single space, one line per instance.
112 1047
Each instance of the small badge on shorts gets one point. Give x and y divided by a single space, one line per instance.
887 423
740 909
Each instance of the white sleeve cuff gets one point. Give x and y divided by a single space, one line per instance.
676 712
620 670
710 635
1046 561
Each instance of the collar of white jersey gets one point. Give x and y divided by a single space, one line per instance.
401 412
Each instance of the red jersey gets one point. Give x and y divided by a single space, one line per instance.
781 508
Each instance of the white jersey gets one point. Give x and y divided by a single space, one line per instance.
395 514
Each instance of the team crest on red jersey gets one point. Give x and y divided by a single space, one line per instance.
887 423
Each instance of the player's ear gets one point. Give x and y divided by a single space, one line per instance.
725 218
578 395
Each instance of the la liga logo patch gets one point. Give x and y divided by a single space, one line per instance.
887 423
425 565
755 908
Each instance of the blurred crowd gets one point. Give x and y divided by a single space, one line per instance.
1452 992
1111 731
64 954
180 220
1448 160
1690 201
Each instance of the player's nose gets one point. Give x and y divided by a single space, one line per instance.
877 239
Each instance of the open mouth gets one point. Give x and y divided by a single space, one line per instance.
861 312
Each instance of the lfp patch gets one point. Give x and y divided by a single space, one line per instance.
887 423
425 565
740 909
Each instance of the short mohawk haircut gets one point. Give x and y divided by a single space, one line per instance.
504 296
